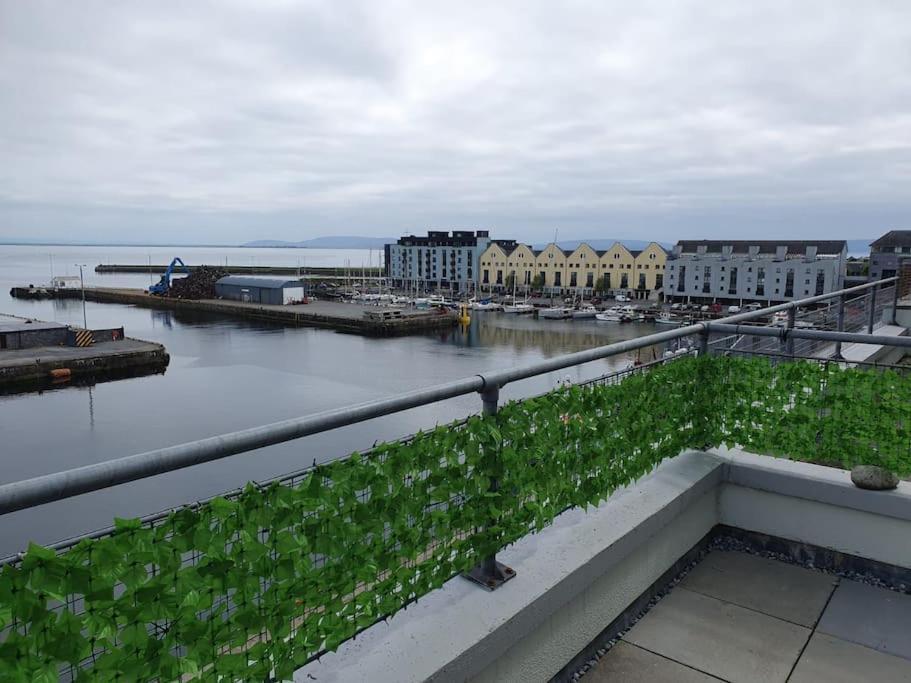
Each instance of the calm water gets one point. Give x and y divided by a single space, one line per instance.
227 375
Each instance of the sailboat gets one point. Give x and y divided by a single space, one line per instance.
516 307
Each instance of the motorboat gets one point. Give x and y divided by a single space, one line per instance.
587 311
556 313
519 309
666 319
632 313
611 316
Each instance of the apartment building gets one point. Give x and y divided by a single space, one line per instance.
440 260
737 271
638 274
888 253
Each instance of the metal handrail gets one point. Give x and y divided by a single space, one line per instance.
58 486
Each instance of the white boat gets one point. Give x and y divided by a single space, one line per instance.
587 311
556 313
609 317
632 313
519 309
485 305
665 319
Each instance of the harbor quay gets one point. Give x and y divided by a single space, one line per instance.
343 317
35 354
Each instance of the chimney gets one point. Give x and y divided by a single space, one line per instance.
781 252
811 252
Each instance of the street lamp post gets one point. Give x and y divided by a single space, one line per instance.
85 324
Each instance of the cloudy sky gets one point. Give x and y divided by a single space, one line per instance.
232 121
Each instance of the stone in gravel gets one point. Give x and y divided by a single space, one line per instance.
873 478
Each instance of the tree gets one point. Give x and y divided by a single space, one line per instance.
600 285
537 283
510 279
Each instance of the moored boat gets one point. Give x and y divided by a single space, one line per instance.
556 313
587 311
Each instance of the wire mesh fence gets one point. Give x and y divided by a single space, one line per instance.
824 316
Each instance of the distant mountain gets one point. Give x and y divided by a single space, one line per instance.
859 247
328 242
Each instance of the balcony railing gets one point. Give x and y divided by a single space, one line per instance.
255 583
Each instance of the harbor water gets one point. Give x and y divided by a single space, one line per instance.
229 374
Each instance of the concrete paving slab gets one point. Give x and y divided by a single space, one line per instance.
719 638
632 664
875 617
758 583
828 659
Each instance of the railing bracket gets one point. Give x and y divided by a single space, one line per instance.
489 577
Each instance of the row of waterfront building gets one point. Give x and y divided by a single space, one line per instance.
693 270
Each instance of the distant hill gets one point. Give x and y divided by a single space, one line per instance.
328 242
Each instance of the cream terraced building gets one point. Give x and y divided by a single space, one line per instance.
638 274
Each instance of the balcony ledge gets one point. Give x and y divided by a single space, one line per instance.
588 568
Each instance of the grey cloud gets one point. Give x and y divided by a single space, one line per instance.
229 121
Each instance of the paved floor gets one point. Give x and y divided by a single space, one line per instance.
738 617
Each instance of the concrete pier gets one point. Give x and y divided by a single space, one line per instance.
343 317
23 369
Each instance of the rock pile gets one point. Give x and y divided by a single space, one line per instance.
199 284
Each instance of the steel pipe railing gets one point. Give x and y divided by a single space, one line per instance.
53 487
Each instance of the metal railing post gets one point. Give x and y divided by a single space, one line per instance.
490 573
704 341
787 341
840 326
871 308
895 293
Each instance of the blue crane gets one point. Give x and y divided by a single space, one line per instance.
164 284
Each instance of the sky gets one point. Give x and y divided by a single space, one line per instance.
230 121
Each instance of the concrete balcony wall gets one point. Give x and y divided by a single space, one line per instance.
577 576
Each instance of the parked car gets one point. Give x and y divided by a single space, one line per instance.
752 307
704 309
676 307
733 309
620 297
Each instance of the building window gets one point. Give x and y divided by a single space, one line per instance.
789 284
641 280
499 277
624 281
486 278
820 282
680 282
557 279
760 282
527 277
607 281
732 285
659 281
590 280
573 282
706 279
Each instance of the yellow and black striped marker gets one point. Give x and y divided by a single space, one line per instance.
84 337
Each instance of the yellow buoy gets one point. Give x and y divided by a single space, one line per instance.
464 318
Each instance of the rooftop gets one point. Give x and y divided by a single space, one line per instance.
13 324
798 247
894 238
